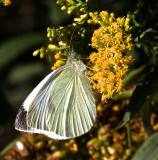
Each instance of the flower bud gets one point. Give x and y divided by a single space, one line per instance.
35 53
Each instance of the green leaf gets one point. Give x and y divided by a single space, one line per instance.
24 71
12 48
145 114
133 73
149 149
146 88
123 95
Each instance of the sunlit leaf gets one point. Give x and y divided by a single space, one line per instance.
149 149
123 95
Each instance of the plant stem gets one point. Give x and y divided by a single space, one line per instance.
129 136
9 146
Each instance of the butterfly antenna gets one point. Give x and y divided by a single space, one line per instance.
60 39
90 80
71 38
91 68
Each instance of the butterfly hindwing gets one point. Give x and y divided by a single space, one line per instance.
71 108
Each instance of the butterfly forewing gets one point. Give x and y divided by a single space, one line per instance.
36 115
36 101
21 125
21 120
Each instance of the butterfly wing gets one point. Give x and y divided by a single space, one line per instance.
38 99
62 106
71 107
21 125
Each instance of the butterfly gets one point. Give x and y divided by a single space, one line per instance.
62 105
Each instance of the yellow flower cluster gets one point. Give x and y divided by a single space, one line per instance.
79 6
6 2
71 5
72 146
110 64
80 20
55 51
59 55
108 145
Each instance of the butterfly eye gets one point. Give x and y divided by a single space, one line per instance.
83 70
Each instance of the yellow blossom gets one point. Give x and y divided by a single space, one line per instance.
42 54
59 63
7 2
63 7
109 63
52 46
81 18
35 53
57 56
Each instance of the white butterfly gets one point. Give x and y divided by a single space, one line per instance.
62 105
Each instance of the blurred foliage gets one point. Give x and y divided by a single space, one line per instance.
20 72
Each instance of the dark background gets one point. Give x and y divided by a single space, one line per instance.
23 29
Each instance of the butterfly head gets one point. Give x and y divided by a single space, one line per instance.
75 60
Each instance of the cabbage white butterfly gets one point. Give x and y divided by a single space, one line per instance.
62 105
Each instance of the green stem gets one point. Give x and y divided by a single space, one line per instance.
9 146
129 136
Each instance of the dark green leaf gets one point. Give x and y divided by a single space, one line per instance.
133 73
12 48
23 72
145 114
146 88
149 149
